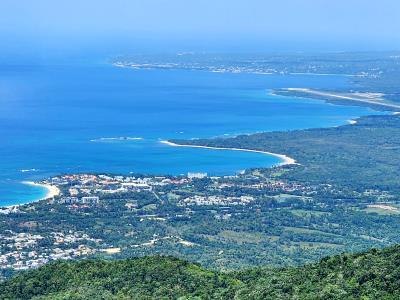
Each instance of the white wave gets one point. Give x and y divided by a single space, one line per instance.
28 170
352 122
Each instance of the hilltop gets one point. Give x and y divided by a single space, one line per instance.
369 275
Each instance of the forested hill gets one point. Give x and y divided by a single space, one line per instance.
370 275
361 156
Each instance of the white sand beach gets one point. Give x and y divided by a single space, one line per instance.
52 190
286 160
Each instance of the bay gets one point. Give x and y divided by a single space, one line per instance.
94 117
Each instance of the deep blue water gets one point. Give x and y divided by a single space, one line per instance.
49 115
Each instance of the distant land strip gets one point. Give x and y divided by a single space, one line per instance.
374 99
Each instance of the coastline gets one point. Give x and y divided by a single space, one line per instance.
286 160
52 190
376 99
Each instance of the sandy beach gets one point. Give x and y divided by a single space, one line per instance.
52 190
370 98
286 160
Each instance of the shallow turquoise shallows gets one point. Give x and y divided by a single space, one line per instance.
68 118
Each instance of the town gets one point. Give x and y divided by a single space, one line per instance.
106 215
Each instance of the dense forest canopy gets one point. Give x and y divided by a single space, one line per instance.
359 156
370 275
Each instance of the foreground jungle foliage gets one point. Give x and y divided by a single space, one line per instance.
370 275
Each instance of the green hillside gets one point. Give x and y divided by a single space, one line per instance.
370 275
365 155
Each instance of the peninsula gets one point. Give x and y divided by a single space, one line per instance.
374 100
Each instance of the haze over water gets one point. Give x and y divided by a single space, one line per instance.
63 118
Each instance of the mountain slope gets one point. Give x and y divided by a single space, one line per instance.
141 278
370 275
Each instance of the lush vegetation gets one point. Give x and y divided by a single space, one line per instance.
359 156
343 197
371 275
280 227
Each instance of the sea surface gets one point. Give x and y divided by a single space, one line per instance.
67 118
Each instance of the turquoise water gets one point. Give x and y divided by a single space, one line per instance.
54 118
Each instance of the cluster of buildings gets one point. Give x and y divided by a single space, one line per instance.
216 200
79 188
281 186
192 175
82 200
17 251
72 237
22 251
88 189
215 68
9 210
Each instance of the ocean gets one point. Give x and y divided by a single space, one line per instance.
69 118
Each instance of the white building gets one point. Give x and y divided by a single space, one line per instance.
90 200
192 175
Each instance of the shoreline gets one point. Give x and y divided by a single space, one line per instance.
52 190
286 160
366 98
